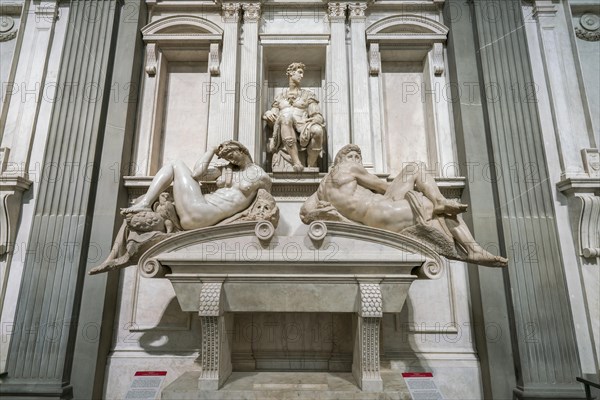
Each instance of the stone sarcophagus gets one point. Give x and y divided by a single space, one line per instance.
329 267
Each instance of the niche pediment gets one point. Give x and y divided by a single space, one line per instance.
407 27
182 28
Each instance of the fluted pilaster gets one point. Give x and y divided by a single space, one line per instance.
40 353
547 352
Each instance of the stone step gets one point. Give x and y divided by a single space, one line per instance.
287 385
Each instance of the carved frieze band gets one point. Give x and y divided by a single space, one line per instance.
251 12
374 59
336 12
231 12
357 10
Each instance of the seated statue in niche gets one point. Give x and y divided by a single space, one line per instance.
411 204
243 194
298 125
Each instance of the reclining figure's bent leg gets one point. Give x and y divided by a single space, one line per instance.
475 252
415 176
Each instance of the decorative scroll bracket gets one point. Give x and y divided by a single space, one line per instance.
438 59
151 59
584 200
11 193
374 59
214 60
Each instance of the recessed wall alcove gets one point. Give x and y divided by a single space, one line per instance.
182 55
277 54
406 56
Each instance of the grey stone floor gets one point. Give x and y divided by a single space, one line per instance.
286 385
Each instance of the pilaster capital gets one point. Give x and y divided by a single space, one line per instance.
357 11
336 12
544 8
251 12
231 12
46 13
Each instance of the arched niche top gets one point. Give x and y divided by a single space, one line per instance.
181 31
408 28
183 28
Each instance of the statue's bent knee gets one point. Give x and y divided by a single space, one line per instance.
316 132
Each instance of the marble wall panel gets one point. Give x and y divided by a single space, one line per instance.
405 127
185 112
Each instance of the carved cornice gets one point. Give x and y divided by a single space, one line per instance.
291 189
231 12
336 12
10 8
251 12
47 11
357 10
544 8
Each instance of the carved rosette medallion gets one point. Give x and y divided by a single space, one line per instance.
590 28
336 12
6 26
357 10
231 12
251 12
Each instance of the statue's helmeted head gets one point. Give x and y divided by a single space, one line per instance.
341 154
231 146
294 67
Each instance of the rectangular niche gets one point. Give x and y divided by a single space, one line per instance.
276 59
292 342
185 120
408 119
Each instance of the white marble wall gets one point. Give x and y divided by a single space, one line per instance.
152 332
